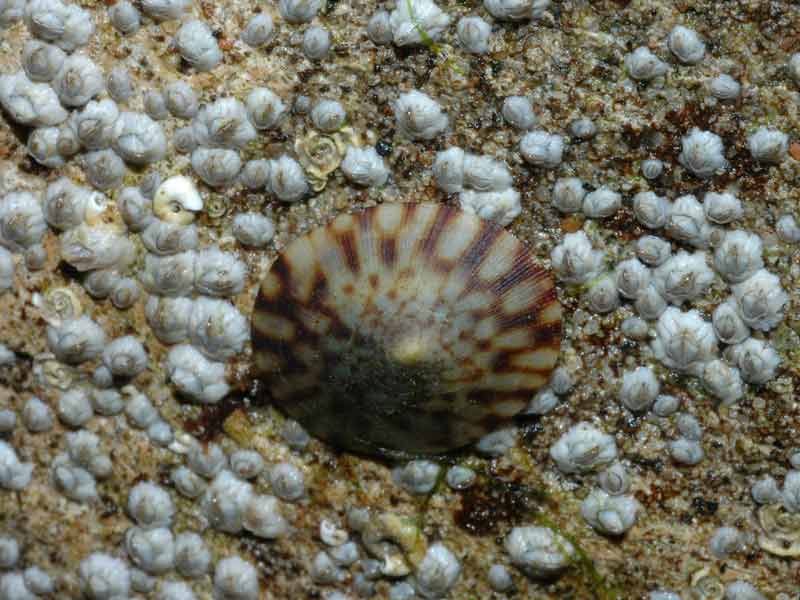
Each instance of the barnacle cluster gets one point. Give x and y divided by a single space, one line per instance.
241 240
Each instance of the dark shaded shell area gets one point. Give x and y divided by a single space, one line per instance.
405 329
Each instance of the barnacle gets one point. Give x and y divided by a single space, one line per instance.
320 154
405 317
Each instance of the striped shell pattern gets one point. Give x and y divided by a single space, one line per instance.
405 329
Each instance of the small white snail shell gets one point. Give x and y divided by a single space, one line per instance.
177 200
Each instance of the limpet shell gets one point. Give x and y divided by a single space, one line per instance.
405 329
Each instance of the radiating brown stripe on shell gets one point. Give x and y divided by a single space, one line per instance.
405 329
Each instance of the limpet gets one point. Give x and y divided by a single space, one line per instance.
405 329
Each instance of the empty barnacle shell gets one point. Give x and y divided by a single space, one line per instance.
780 530
405 329
321 154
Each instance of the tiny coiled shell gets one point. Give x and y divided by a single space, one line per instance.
405 329
177 200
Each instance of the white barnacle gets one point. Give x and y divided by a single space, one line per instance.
602 296
538 551
163 10
738 256
542 149
188 483
299 11
725 87
216 166
610 515
582 128
225 123
264 108
22 222
234 577
686 45
582 449
125 356
43 147
104 169
262 517
177 201
119 84
76 340
723 381
224 502
653 251
89 248
217 328
164 238
518 112
686 221
722 208
417 476
702 153
125 18
255 174
768 146
787 229
516 10
169 275
364 167
761 300
684 340
287 180
418 116
42 61
192 556
485 174
639 390
74 408
169 318
414 22
150 505
614 480
643 65
135 208
94 125
138 139
259 31
328 115
103 577
650 209
66 25
78 81
601 203
14 475
683 277
155 105
198 46
574 260
448 170
181 99
379 28
500 206
685 451
568 194
728 325
29 103
438 572
652 168
473 34
253 229
316 43
218 273
37 416
196 376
